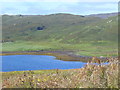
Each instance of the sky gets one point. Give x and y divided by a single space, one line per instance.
45 7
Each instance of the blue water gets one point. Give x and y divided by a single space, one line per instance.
36 62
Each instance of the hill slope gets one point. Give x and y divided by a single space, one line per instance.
85 35
59 27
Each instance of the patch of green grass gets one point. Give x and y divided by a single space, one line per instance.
83 48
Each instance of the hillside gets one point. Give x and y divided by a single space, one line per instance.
60 32
59 27
104 15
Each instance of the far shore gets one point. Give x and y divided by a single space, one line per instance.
61 55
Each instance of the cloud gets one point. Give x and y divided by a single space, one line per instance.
59 0
57 7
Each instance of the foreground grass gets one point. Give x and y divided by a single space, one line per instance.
90 76
84 48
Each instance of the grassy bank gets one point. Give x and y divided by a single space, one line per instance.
90 76
83 48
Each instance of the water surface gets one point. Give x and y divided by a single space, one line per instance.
36 62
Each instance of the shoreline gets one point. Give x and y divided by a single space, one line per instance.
42 70
60 55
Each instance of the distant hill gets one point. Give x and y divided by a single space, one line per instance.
64 28
105 15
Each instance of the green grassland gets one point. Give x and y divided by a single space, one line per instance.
84 48
60 27
88 36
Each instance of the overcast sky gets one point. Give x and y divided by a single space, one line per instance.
43 7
